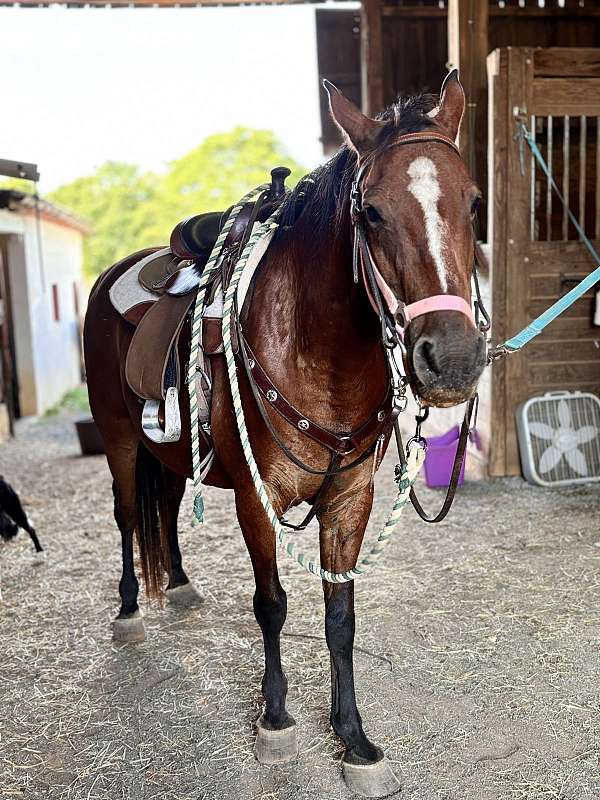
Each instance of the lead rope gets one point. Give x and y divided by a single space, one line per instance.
405 479
212 264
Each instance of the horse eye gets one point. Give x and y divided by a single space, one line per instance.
475 205
373 215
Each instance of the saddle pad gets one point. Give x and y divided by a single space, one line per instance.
148 354
251 266
127 293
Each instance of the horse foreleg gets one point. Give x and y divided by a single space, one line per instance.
276 737
366 771
180 590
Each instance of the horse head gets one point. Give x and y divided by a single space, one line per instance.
417 204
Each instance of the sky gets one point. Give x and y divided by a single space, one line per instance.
81 86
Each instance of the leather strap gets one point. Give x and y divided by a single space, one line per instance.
342 445
284 448
334 462
458 462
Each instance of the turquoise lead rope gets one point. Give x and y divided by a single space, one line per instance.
537 326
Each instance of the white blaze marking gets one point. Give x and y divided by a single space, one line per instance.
425 188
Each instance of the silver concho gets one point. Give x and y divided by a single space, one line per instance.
303 424
271 395
381 416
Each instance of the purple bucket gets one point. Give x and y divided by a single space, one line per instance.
441 452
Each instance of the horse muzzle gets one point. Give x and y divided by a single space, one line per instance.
446 355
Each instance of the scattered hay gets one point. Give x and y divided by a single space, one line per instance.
476 660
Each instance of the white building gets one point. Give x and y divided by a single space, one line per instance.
41 303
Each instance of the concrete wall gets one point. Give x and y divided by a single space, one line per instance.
47 351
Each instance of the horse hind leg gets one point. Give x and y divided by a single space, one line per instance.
366 771
128 625
139 491
180 590
276 740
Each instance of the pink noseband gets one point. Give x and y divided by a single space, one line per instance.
437 302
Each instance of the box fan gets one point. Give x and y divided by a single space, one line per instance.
559 438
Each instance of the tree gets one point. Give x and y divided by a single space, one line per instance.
110 200
130 210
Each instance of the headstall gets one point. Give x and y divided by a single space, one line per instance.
381 297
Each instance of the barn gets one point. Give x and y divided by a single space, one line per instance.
42 297
473 653
532 60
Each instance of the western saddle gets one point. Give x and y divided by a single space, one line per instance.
157 296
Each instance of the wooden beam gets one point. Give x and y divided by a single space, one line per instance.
467 51
371 56
564 62
497 205
564 97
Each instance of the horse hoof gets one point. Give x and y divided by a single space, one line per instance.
371 780
184 595
129 629
275 747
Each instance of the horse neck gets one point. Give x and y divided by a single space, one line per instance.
320 317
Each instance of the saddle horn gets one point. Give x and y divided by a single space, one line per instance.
278 176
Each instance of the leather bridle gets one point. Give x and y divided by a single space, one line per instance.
387 307
381 297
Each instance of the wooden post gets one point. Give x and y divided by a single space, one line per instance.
467 51
371 56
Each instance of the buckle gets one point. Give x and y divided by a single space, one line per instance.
356 205
498 352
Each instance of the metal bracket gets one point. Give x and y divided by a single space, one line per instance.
151 423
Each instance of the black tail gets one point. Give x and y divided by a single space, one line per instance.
152 531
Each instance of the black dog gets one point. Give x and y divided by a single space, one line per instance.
12 516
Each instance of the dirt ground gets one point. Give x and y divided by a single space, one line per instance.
477 650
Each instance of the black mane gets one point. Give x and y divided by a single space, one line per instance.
322 196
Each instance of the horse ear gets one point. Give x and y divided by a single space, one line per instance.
358 130
452 104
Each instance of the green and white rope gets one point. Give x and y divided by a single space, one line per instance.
207 273
406 479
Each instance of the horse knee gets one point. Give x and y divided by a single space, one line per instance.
270 610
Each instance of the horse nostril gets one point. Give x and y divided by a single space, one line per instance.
426 355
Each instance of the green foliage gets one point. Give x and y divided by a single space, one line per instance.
130 210
111 200
75 400
18 184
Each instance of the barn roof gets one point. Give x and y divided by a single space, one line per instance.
148 3
20 202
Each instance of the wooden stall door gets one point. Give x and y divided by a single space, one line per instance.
537 255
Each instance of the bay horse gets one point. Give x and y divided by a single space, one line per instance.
314 330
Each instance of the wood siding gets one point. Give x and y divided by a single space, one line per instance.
536 258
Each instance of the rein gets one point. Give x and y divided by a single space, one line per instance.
386 306
380 423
